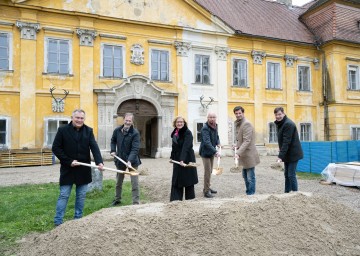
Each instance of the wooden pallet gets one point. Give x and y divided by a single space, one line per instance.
25 157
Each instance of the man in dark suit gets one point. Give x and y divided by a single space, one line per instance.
72 144
290 150
125 143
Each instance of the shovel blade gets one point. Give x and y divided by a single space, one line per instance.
217 171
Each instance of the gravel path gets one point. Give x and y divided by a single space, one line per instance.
229 185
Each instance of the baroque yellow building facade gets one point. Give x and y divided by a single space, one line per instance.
160 59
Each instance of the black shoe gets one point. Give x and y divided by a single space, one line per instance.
115 202
212 191
208 194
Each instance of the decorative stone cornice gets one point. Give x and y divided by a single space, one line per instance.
182 48
290 60
258 56
221 52
28 30
112 36
86 36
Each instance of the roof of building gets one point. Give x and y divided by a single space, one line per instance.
334 22
271 19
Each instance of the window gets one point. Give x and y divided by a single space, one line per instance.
355 133
239 73
160 65
272 133
305 132
304 78
4 132
112 61
273 75
4 51
52 126
199 126
202 69
354 83
58 56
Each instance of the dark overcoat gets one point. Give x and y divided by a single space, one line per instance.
209 141
69 145
290 149
182 150
126 146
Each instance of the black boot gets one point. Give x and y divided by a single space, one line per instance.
212 191
208 194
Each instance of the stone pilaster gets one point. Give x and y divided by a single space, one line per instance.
86 36
28 30
182 48
290 59
222 52
27 83
258 56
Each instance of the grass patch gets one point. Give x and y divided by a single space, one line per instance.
308 176
31 208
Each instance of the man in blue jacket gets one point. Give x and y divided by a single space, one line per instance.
290 150
209 141
125 143
72 144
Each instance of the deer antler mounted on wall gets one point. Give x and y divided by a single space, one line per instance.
206 105
58 104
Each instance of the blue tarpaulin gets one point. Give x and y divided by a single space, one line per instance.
318 154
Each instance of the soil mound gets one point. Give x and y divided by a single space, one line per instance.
287 224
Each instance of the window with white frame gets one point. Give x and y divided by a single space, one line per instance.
305 132
58 56
4 132
199 126
304 78
272 133
51 127
112 61
160 65
202 69
273 75
239 73
353 78
4 51
355 133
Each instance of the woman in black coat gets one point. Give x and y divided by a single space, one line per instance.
184 178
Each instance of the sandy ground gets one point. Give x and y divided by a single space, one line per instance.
325 220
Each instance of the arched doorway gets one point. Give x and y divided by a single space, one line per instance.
137 87
146 121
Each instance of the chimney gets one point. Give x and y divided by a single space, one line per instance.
288 3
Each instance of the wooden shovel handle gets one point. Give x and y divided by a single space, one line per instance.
109 169
126 164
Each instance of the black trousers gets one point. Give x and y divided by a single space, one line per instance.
178 192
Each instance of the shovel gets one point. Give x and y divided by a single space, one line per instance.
126 164
109 169
218 170
236 160
190 164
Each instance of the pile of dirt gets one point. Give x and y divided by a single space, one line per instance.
287 224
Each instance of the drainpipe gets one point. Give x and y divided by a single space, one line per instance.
325 93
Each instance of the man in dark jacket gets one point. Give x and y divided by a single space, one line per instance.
290 151
72 144
125 143
209 141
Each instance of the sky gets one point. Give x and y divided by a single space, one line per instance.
300 2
